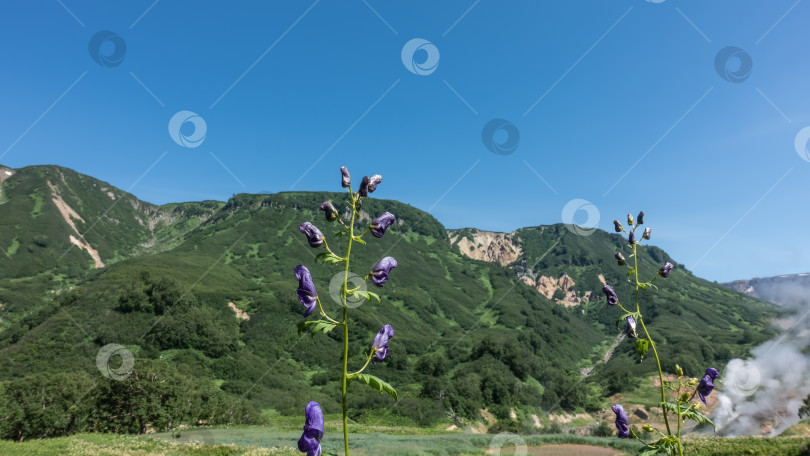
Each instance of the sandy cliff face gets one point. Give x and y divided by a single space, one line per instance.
488 246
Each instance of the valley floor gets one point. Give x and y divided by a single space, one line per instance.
265 441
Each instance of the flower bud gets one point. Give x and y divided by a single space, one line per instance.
632 238
640 218
617 226
678 370
629 219
620 259
631 327
612 297
345 177
329 209
647 428
363 191
647 232
373 181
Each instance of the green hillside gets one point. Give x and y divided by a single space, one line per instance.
469 334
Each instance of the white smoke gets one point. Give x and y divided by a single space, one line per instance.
761 396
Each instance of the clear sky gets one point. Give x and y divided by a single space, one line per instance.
626 104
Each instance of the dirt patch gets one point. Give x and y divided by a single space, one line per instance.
562 450
488 246
240 314
68 214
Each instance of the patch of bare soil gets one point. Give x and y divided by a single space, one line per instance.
561 450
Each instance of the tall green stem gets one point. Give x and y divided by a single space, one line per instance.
345 377
647 334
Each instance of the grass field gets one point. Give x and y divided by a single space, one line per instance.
257 440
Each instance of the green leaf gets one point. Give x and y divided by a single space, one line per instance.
357 239
376 383
366 295
688 412
624 317
328 258
643 286
340 233
642 346
316 326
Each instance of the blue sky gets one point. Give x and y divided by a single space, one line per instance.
619 103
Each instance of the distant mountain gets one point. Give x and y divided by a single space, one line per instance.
787 290
483 320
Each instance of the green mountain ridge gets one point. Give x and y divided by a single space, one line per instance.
470 334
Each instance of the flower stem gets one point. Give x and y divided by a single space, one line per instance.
345 377
652 344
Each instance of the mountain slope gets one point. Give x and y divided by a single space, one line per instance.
57 225
207 289
695 322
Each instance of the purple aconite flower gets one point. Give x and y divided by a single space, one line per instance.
640 218
647 233
617 226
310 441
631 327
329 209
632 238
306 289
622 422
373 181
379 274
381 223
665 269
706 385
380 345
620 259
314 235
345 177
612 297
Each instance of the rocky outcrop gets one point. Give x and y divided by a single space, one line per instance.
487 246
548 286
